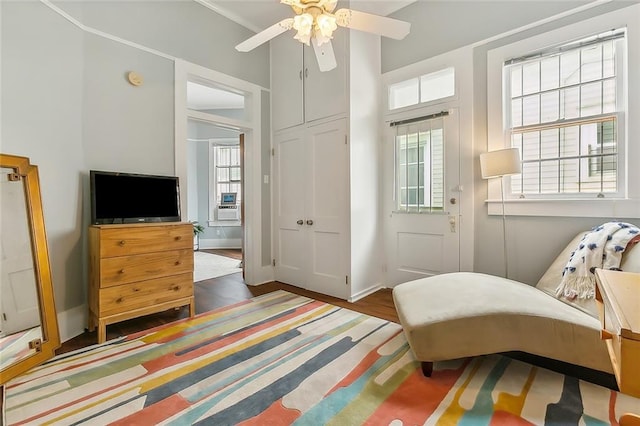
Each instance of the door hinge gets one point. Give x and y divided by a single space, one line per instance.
346 139
273 152
274 262
4 316
346 279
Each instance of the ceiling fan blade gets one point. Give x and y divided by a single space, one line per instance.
370 23
325 56
265 35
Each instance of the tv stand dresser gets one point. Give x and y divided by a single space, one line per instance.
138 269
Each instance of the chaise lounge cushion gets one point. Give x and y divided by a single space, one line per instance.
463 314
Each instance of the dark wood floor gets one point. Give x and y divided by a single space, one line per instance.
227 290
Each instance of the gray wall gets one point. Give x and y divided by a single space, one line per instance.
42 106
441 26
127 128
182 29
533 242
66 103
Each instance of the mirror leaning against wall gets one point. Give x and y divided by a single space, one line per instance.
28 324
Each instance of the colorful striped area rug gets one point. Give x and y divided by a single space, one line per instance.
283 359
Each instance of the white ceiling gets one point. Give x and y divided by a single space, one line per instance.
257 15
200 97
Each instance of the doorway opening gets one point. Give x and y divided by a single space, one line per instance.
215 197
236 110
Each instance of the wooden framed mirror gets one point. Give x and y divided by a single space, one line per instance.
28 323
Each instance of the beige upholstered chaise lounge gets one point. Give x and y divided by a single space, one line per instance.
464 314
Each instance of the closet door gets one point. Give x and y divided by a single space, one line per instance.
287 76
311 182
325 93
327 208
290 237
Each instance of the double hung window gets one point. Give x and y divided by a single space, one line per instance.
564 109
227 173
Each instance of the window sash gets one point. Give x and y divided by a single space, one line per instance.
424 89
419 167
227 176
567 158
540 100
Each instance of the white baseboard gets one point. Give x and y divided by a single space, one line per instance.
233 243
263 275
364 293
72 322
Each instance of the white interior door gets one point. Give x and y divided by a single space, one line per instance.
423 201
290 239
311 182
327 208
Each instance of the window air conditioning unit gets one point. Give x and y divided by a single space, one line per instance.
228 209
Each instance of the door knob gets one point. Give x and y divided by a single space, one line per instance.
309 222
300 222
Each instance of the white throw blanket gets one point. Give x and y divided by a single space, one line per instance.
600 248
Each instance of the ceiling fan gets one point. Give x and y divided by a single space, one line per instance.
315 21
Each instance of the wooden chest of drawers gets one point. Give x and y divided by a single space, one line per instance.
618 300
138 269
618 297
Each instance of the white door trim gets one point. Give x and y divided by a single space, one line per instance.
462 60
251 127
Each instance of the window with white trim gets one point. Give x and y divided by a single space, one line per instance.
419 152
227 174
564 108
420 90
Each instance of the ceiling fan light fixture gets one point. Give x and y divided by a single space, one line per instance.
315 22
326 24
303 24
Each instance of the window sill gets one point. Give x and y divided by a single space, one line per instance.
225 223
609 208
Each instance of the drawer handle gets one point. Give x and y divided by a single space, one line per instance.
121 271
119 300
605 335
176 288
178 263
121 243
178 238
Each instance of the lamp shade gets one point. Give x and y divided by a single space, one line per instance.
499 163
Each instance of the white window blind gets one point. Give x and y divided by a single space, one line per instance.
563 109
419 166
